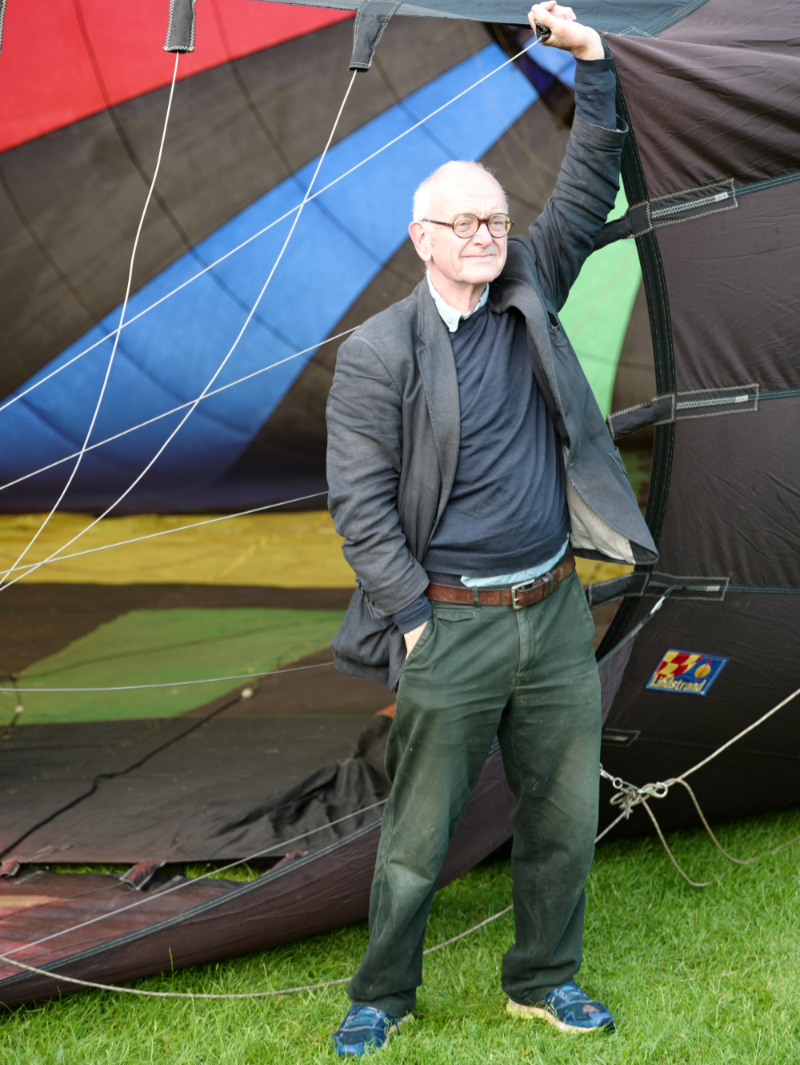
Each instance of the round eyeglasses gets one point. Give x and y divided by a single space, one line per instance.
467 225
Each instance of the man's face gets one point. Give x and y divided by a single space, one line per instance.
471 261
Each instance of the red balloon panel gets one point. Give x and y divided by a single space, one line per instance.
65 59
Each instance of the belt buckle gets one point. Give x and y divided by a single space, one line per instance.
524 587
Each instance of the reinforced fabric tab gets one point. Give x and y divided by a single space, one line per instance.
181 26
685 205
371 21
686 406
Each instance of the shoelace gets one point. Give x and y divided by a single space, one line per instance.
365 1017
567 993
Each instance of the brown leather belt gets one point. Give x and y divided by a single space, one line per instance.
521 595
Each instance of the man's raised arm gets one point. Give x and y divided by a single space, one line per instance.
563 235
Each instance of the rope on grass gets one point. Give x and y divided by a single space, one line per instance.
250 994
718 845
469 931
629 796
166 994
626 795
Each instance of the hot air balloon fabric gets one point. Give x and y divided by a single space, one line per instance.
685 320
252 105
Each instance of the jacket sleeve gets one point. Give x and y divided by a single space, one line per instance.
563 235
363 466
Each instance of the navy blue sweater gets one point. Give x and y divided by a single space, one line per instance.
507 510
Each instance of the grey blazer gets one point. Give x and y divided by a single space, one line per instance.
394 420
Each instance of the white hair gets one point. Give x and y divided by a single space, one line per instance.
424 196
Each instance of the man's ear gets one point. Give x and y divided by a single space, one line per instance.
421 241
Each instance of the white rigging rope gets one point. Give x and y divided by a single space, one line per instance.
110 364
176 683
183 406
247 994
628 796
4 582
194 880
58 556
168 994
645 791
261 232
186 883
168 532
631 796
649 790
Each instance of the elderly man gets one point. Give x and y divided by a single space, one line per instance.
467 457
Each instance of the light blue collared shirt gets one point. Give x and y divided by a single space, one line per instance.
507 580
449 315
452 319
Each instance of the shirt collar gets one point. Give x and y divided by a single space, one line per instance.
449 315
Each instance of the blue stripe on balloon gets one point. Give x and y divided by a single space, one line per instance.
167 357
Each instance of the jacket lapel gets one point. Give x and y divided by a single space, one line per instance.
438 370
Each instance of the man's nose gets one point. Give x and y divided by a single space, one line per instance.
482 234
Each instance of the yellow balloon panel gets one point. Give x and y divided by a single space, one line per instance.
294 550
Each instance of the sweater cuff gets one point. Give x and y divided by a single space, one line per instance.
413 615
595 91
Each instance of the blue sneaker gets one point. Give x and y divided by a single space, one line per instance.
568 1008
364 1030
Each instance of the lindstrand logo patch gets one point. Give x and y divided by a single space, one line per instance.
686 673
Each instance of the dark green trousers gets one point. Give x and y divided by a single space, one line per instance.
528 677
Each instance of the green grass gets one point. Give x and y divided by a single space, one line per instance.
699 977
160 646
196 869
